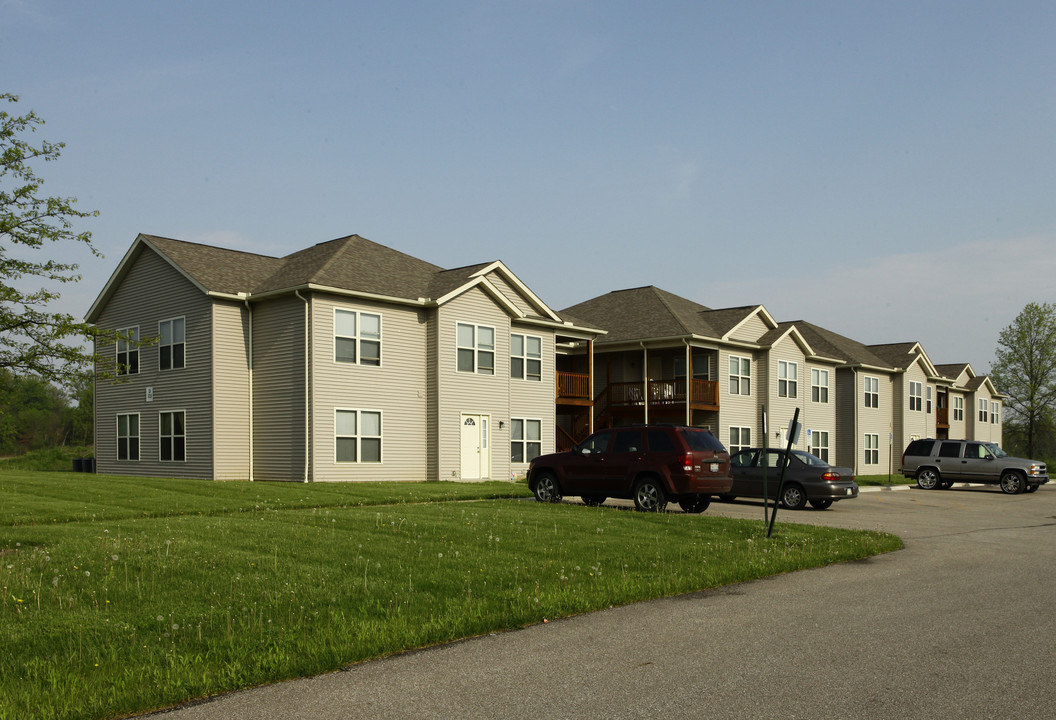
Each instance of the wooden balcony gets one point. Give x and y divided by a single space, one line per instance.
703 394
573 389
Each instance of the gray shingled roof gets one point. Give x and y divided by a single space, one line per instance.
642 313
830 344
217 269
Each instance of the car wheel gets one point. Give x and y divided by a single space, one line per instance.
695 504
928 479
546 488
594 500
1012 483
793 497
1031 488
649 496
821 504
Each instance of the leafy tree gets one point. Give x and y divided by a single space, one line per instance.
1025 370
34 414
33 339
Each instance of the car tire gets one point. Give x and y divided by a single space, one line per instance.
821 504
594 500
649 495
793 497
946 484
546 489
1032 488
695 505
727 498
1012 482
928 479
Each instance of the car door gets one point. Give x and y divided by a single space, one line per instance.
585 470
977 462
949 461
627 449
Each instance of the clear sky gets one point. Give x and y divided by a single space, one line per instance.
883 169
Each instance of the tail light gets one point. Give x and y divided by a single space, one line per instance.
830 476
687 462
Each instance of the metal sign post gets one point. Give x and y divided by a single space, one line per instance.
793 437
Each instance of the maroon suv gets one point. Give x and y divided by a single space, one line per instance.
650 464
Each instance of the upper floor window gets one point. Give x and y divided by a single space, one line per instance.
740 375
128 351
928 391
916 396
982 411
128 437
819 386
526 357
872 392
787 379
173 436
476 349
171 344
995 413
357 337
958 409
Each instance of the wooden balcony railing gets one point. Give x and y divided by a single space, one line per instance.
574 387
942 417
704 393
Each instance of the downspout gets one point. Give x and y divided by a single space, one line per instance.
307 386
857 427
249 316
689 383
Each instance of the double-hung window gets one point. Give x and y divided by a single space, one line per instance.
819 444
525 440
787 379
128 351
740 375
872 392
958 409
872 449
357 337
740 439
915 396
982 411
171 344
172 436
476 349
128 436
819 386
526 357
357 436
995 413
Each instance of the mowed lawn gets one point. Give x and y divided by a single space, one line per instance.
127 594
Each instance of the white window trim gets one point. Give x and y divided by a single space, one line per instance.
184 436
524 441
788 373
477 349
740 378
814 435
526 357
174 344
823 397
958 409
358 337
869 380
740 444
874 449
131 346
916 396
359 436
138 436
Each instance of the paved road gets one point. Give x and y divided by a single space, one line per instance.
959 624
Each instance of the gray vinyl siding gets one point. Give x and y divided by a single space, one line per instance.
153 291
471 392
279 389
532 400
231 443
397 389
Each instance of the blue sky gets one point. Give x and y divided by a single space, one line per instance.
884 169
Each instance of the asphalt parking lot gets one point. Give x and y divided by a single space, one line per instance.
958 624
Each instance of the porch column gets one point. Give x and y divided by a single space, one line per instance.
645 382
689 384
590 386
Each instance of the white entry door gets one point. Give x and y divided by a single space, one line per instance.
476 452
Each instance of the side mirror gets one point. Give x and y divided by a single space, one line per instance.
585 451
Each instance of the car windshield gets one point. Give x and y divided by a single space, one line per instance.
995 450
808 459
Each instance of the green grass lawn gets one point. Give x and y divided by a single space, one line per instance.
126 594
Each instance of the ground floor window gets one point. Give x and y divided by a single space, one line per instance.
819 444
525 440
358 436
173 436
872 449
128 437
740 438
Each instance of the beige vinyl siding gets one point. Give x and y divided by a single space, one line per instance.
981 430
231 406
432 394
878 421
910 424
751 330
781 410
958 427
279 389
153 291
739 410
397 389
511 294
532 400
472 392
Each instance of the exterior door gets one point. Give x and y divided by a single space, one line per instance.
476 447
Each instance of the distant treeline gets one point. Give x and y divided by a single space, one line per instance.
35 414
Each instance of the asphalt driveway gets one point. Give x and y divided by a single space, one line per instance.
959 624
